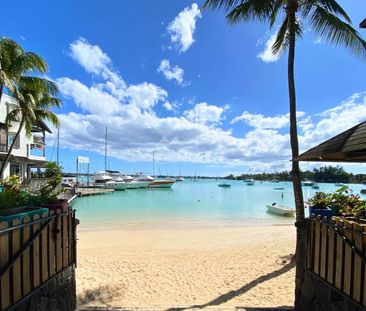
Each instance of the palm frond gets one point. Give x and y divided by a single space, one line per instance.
261 10
218 4
39 85
281 40
331 28
331 6
28 62
275 11
43 114
13 116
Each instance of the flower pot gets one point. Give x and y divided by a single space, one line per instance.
61 204
321 211
19 213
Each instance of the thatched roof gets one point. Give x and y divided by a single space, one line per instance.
363 24
349 146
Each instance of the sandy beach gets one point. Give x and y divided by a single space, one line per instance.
164 268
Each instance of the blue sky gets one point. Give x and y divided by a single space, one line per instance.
164 76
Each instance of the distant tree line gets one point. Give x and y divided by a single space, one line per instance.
331 174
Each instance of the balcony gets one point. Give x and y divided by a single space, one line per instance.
37 149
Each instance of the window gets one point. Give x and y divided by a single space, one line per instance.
11 138
3 144
16 169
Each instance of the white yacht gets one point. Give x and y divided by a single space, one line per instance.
162 183
104 179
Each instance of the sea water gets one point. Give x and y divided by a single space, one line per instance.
193 203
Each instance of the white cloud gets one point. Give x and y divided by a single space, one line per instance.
94 60
262 122
171 73
196 135
145 95
205 114
182 28
267 55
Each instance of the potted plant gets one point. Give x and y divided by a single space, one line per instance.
48 193
319 204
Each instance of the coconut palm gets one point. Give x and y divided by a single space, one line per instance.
34 104
16 63
331 23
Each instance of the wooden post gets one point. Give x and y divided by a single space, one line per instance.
26 260
36 256
4 260
357 272
348 260
339 257
317 243
15 272
52 245
324 248
44 252
331 253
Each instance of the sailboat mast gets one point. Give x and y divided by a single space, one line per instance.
105 149
58 146
153 163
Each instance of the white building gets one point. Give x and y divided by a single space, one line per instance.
28 152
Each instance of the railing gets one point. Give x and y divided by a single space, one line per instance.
336 252
32 252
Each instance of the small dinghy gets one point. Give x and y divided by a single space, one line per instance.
224 185
281 210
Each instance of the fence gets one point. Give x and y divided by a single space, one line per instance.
32 252
336 253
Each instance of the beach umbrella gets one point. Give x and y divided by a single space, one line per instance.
349 146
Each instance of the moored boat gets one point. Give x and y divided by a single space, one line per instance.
162 183
280 210
249 182
224 185
307 183
315 186
136 184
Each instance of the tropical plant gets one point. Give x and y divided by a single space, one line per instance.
330 22
48 193
320 200
34 98
16 63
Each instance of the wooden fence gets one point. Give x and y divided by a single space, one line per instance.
337 254
34 251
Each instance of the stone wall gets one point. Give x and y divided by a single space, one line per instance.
316 295
58 295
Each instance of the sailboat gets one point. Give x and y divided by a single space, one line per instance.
160 183
108 179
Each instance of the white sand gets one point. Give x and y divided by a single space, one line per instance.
163 268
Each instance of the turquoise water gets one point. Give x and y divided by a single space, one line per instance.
189 202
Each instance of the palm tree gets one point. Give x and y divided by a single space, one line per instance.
16 63
34 104
330 22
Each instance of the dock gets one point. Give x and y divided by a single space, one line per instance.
92 191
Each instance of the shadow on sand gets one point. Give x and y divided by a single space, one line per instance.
234 293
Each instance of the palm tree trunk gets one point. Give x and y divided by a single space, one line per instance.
296 180
6 161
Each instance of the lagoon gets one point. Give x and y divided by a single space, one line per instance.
193 203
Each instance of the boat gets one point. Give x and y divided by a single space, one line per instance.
363 191
102 179
249 182
307 183
142 177
315 186
281 210
162 183
339 184
224 185
179 179
279 188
